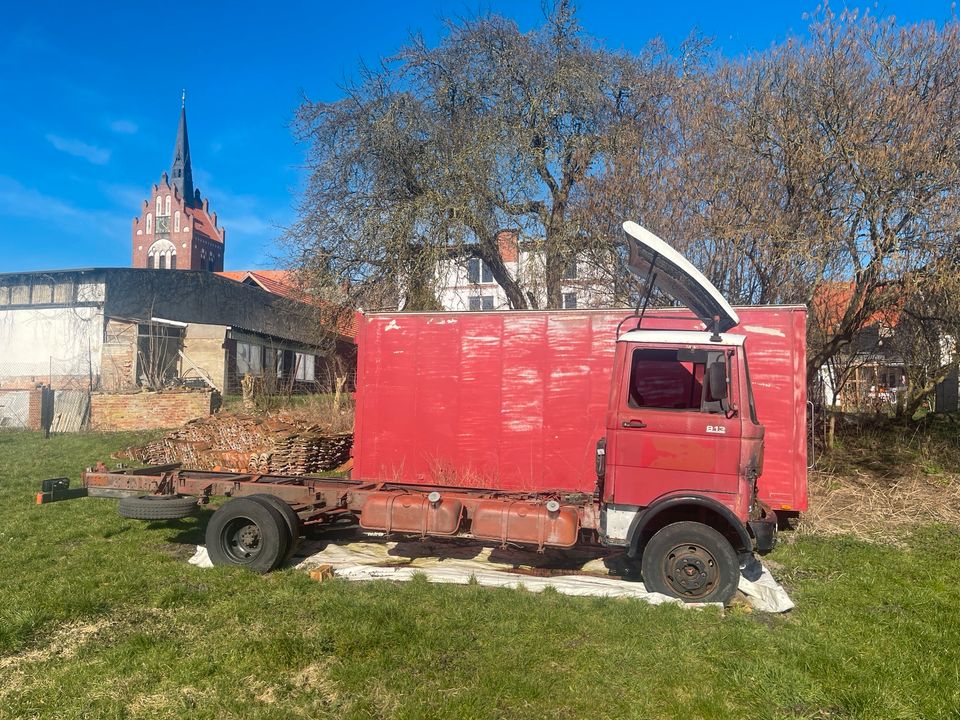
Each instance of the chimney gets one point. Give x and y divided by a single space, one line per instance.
508 243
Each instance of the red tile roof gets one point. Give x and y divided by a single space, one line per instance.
203 224
832 299
283 283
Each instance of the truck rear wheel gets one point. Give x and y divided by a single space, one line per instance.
691 561
247 533
290 519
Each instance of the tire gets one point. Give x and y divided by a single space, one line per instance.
711 570
247 533
157 507
289 517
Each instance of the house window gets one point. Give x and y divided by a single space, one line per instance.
249 359
571 272
481 302
569 301
149 223
305 367
176 221
478 272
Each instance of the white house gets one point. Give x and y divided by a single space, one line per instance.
468 284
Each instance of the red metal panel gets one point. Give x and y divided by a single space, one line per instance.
517 400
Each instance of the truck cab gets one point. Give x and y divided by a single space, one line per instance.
680 461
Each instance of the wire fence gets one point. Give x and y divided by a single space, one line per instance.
71 379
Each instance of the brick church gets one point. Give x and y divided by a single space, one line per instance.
175 228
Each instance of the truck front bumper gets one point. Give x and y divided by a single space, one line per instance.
764 529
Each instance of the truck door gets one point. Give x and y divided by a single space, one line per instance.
671 430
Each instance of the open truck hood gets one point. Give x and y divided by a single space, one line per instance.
677 277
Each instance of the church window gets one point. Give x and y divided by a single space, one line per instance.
149 223
176 221
173 261
163 261
167 206
159 205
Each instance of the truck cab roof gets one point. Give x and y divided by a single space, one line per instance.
681 337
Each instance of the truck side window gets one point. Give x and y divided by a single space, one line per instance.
659 379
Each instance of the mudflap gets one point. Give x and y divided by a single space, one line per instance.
764 529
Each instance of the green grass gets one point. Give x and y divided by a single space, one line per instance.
102 617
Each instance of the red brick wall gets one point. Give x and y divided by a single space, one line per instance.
148 410
188 244
33 408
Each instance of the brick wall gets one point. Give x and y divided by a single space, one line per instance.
118 357
33 408
148 410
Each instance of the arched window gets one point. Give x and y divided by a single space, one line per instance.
167 206
162 255
149 223
159 206
176 221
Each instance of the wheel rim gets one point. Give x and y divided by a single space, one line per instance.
241 540
691 570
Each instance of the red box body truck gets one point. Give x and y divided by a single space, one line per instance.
675 435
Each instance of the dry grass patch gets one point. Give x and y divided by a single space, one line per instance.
63 645
878 511
881 481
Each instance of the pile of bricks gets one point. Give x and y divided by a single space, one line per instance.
243 443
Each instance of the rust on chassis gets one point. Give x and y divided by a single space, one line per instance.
542 519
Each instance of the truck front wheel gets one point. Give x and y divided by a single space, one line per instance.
691 561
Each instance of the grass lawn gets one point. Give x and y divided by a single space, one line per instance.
102 617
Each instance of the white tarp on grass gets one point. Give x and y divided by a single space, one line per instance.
583 572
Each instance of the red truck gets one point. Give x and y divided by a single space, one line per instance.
663 433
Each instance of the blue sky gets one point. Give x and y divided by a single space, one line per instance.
91 93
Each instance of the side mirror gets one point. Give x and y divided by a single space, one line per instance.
717 381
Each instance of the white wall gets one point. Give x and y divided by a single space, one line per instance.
455 288
30 337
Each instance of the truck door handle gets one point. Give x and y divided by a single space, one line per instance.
634 424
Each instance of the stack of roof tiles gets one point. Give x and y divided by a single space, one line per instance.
242 443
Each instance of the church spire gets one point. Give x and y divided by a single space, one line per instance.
181 174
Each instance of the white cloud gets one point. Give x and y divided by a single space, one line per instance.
80 149
17 200
124 127
248 225
129 197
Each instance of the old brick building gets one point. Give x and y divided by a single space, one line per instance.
175 228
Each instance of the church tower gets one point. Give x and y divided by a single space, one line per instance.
175 229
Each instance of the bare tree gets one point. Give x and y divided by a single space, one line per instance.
819 164
434 151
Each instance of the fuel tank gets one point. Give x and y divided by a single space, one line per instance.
411 513
533 523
